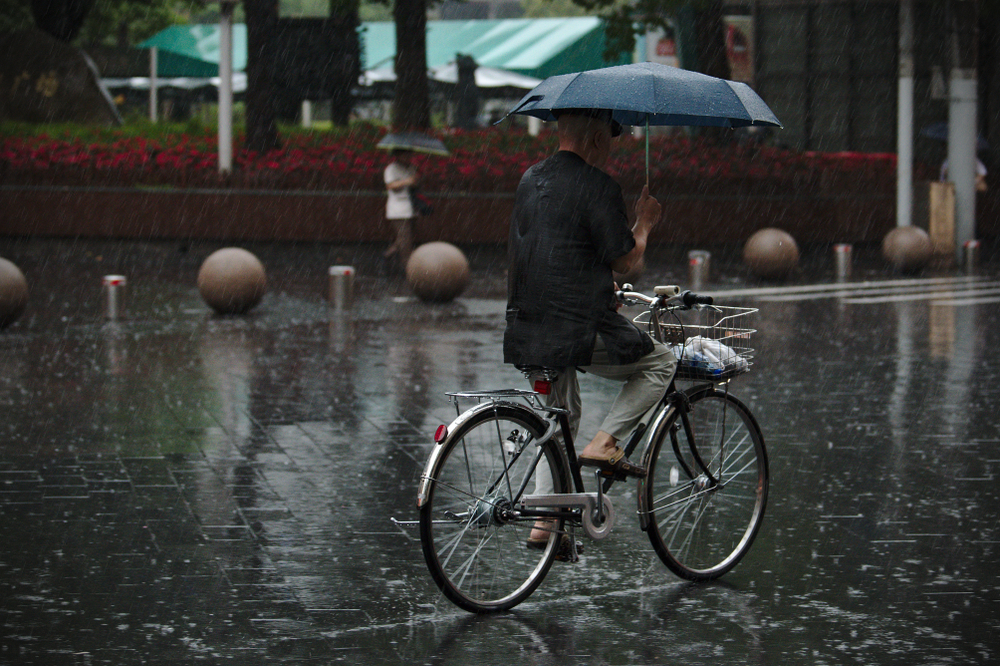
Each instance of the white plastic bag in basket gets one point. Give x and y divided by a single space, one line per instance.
717 355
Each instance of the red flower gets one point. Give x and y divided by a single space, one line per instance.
487 160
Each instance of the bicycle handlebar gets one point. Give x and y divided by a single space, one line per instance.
665 296
691 298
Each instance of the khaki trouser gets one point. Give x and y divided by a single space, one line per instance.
644 383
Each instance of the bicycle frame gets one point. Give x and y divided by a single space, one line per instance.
566 506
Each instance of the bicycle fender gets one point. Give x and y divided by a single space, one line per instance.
426 478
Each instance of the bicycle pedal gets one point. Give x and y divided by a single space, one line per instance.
614 477
567 552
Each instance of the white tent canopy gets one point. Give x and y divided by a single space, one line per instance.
183 82
486 77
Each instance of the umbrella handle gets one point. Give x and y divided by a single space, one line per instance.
647 151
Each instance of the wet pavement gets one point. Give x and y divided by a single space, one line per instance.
178 487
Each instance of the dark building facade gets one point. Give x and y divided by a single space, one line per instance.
830 69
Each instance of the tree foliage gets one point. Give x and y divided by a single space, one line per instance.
61 18
107 23
552 8
128 22
15 15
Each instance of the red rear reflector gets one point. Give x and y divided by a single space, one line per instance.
543 386
440 433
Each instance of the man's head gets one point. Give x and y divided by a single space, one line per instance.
588 133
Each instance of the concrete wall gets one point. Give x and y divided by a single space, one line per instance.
358 216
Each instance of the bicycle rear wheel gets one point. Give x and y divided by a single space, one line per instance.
474 539
705 499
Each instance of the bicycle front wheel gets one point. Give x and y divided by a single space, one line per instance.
705 493
472 530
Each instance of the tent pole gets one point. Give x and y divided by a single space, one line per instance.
154 53
226 88
904 129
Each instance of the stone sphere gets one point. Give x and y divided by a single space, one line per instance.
907 248
232 281
437 272
771 253
13 293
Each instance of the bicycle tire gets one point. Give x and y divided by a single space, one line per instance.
475 547
701 529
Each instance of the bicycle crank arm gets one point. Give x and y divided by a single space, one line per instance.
588 505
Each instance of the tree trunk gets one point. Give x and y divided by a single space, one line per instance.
712 41
261 128
411 104
123 42
344 15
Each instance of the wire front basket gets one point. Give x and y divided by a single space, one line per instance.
711 344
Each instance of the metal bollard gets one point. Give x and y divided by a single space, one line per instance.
842 257
114 294
970 255
341 287
699 264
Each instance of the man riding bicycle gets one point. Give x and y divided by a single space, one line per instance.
569 233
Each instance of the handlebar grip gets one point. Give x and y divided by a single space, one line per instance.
690 298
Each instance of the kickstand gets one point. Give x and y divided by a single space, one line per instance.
569 550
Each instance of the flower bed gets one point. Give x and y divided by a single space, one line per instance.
487 161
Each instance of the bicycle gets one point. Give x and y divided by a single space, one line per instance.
701 503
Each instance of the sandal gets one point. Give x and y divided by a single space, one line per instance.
539 543
615 465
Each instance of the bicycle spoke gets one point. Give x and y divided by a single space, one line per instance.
470 561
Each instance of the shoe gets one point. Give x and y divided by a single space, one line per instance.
615 465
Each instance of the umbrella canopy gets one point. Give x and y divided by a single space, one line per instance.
417 142
649 93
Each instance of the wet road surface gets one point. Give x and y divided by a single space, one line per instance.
178 487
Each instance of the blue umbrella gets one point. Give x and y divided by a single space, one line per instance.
416 142
649 93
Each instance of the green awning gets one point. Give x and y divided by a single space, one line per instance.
534 47
193 50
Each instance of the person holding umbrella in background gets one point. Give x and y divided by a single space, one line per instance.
400 177
403 203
